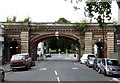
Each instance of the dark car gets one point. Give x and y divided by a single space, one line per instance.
109 66
96 63
2 75
20 61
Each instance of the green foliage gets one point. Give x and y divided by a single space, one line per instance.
80 27
62 21
13 19
101 11
56 43
26 20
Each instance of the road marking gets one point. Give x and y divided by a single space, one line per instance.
68 58
115 79
58 79
56 73
43 69
75 68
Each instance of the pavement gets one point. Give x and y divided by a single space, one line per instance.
6 67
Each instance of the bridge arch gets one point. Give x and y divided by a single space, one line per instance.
35 40
29 36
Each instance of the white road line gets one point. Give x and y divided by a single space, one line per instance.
115 79
68 58
42 68
56 73
75 68
58 79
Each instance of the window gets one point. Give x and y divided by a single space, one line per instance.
103 61
113 62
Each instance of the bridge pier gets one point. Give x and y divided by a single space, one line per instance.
88 42
24 42
110 44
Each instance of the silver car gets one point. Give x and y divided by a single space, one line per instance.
109 66
2 75
90 61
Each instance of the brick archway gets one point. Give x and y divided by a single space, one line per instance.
42 37
37 32
34 41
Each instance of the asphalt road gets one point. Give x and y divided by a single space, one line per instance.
59 70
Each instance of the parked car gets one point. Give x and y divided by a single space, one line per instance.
32 63
83 59
20 61
48 55
90 60
2 75
96 63
109 66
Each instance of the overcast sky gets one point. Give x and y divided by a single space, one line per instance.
44 10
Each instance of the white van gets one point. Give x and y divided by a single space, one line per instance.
83 59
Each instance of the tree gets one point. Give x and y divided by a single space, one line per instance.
80 27
13 19
62 21
26 20
101 11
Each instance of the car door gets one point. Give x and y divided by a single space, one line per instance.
102 65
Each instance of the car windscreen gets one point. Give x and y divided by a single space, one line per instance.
113 62
91 58
91 55
17 57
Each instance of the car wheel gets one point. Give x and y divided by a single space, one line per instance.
96 68
93 67
29 66
105 73
3 76
88 65
99 70
13 69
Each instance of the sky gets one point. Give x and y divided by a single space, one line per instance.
45 10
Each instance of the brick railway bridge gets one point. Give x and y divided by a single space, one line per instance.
24 38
